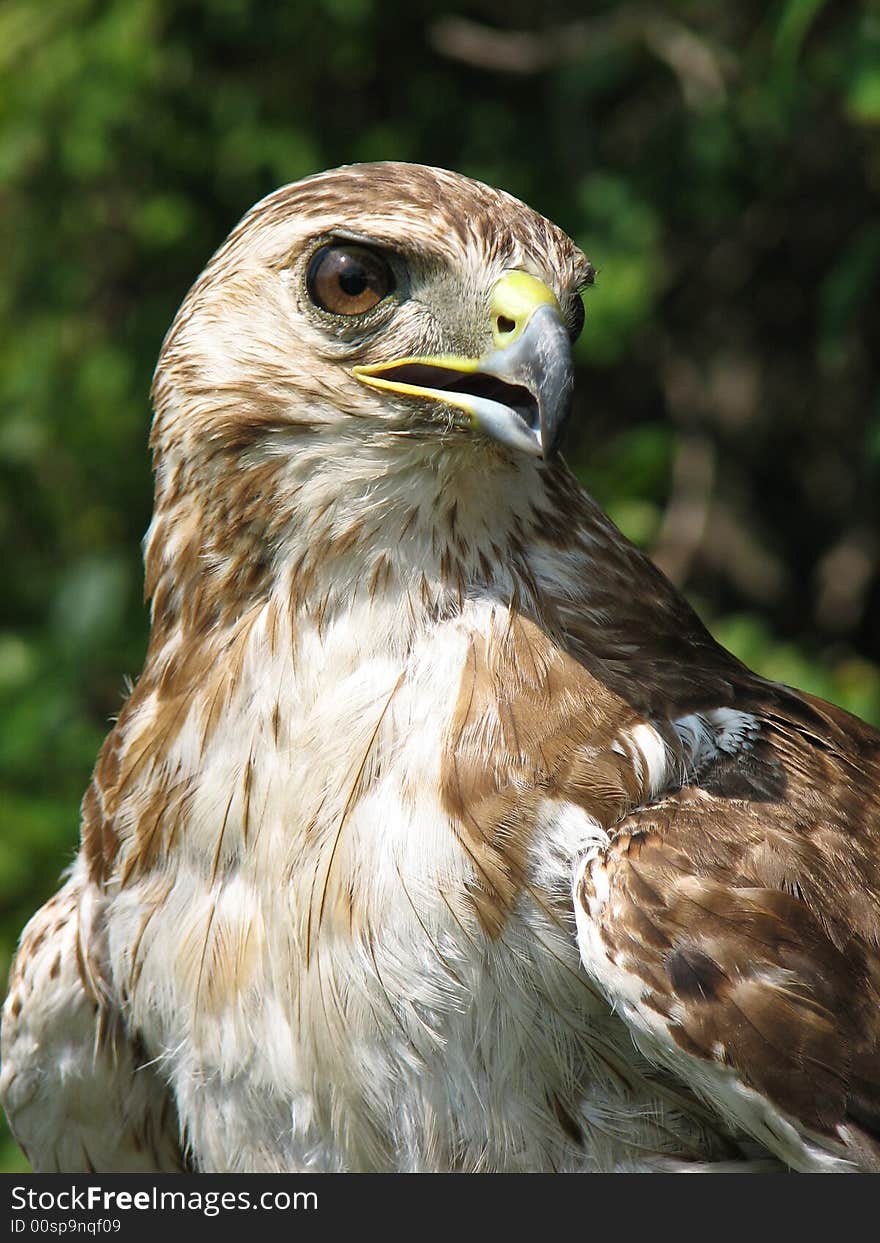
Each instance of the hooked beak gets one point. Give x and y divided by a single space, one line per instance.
520 392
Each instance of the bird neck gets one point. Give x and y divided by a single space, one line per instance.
339 521
337 553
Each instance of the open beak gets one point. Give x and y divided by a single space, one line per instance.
520 392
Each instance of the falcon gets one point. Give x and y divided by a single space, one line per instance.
437 833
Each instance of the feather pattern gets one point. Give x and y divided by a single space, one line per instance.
736 922
437 833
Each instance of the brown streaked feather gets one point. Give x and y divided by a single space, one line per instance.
530 724
754 924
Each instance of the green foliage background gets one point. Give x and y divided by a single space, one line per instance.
719 162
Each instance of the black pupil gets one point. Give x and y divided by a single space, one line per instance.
353 278
347 280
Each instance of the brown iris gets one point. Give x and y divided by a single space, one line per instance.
348 279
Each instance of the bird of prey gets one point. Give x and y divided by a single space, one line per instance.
437 833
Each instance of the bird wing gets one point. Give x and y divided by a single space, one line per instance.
734 925
79 1094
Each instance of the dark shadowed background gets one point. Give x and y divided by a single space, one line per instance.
720 163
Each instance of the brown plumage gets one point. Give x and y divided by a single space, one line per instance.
746 903
437 832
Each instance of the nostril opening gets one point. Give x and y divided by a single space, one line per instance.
504 324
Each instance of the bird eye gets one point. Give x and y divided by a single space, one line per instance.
576 318
348 279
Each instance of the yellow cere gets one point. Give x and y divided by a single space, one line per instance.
515 298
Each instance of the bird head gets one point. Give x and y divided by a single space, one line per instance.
391 297
359 334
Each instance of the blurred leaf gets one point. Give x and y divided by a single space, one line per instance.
794 21
863 96
638 520
859 71
620 234
849 283
18 662
90 602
